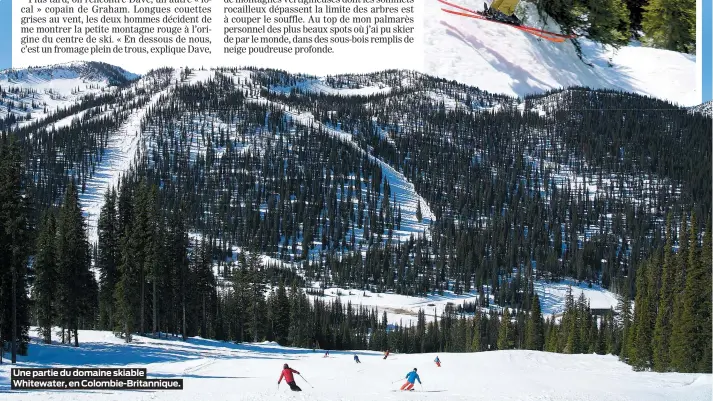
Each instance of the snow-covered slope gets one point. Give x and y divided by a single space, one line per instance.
219 371
403 309
119 154
91 71
403 191
706 109
501 59
41 90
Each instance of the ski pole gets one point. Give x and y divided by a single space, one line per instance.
303 378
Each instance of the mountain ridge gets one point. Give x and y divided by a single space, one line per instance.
336 106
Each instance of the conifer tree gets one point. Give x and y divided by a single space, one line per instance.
706 309
476 344
256 302
534 337
690 348
14 236
552 336
281 315
636 10
641 353
44 291
126 292
608 21
241 298
108 258
677 340
671 24
505 334
570 330
662 328
76 283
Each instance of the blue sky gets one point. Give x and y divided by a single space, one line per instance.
707 62
5 34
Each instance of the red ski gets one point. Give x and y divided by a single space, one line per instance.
547 35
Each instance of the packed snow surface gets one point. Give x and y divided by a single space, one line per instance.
217 371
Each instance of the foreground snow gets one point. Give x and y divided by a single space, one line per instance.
500 59
222 371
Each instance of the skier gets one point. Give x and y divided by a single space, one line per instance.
503 10
287 374
386 354
326 354
411 378
438 361
356 358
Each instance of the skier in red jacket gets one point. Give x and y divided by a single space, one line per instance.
287 374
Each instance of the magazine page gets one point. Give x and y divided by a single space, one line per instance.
315 36
356 200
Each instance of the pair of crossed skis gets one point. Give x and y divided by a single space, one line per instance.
540 33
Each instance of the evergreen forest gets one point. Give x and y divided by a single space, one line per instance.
250 195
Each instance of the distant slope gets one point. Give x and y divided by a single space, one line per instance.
403 309
89 70
500 59
31 94
705 108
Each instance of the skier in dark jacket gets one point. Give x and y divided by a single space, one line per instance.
287 374
356 358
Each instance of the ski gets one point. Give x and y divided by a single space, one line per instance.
532 31
541 33
478 15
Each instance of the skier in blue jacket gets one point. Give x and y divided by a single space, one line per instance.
411 378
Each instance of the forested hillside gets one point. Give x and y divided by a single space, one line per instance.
393 181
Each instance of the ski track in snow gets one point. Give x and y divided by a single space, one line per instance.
404 190
118 157
217 371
